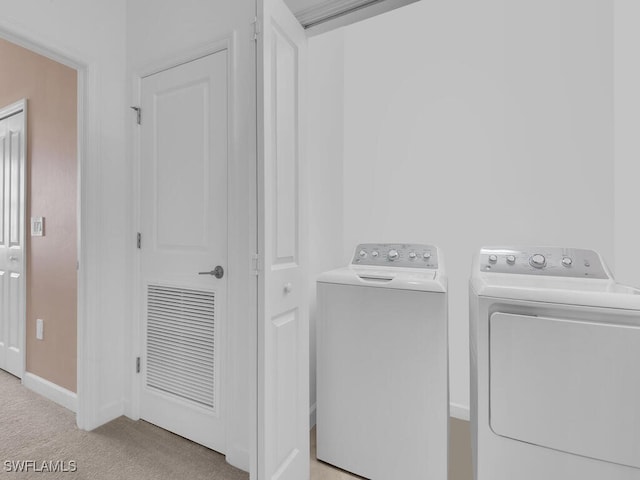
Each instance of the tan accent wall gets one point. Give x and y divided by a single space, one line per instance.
51 92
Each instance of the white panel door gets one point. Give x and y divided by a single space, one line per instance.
283 328
183 217
12 240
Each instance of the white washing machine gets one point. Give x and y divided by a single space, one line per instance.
555 367
382 364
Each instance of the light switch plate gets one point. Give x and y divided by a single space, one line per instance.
37 226
39 329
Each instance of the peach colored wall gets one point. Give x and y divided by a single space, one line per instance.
51 92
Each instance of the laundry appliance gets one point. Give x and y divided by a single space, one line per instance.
382 364
555 367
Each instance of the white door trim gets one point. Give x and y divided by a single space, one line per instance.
87 203
8 111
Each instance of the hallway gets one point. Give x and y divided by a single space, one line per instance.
33 428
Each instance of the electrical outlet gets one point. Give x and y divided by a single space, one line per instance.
39 329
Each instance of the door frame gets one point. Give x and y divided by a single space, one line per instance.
88 136
239 261
5 112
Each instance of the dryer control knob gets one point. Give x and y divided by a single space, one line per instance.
566 261
374 253
393 255
363 254
426 255
537 261
412 255
493 258
511 259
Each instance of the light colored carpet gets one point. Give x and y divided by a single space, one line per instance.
34 429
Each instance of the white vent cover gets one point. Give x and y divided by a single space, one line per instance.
181 343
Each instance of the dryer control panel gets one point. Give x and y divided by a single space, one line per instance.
405 255
549 261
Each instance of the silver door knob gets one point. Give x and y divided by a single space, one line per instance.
217 272
288 287
13 258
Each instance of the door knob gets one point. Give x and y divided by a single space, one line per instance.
217 272
13 258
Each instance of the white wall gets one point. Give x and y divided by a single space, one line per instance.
324 156
92 34
475 123
627 141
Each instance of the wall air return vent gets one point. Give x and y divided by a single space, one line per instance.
181 354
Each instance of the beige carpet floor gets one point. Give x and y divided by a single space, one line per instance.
34 429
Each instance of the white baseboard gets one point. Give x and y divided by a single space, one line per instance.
459 411
50 390
312 415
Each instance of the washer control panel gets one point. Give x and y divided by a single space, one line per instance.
550 261
405 255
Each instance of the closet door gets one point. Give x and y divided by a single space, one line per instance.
283 325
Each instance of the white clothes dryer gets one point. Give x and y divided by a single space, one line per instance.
382 364
555 367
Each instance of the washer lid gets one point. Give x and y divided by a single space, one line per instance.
396 278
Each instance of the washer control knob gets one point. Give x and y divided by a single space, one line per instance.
426 255
493 258
374 254
363 254
393 255
511 259
412 255
567 261
537 260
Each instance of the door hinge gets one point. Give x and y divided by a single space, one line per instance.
139 240
138 365
256 29
138 111
255 264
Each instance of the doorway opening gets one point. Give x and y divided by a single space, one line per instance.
39 234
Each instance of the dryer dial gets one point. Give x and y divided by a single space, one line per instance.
537 260
393 255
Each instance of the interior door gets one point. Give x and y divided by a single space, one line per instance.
12 239
283 327
183 210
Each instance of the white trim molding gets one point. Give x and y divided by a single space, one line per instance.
460 412
329 15
312 415
53 392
